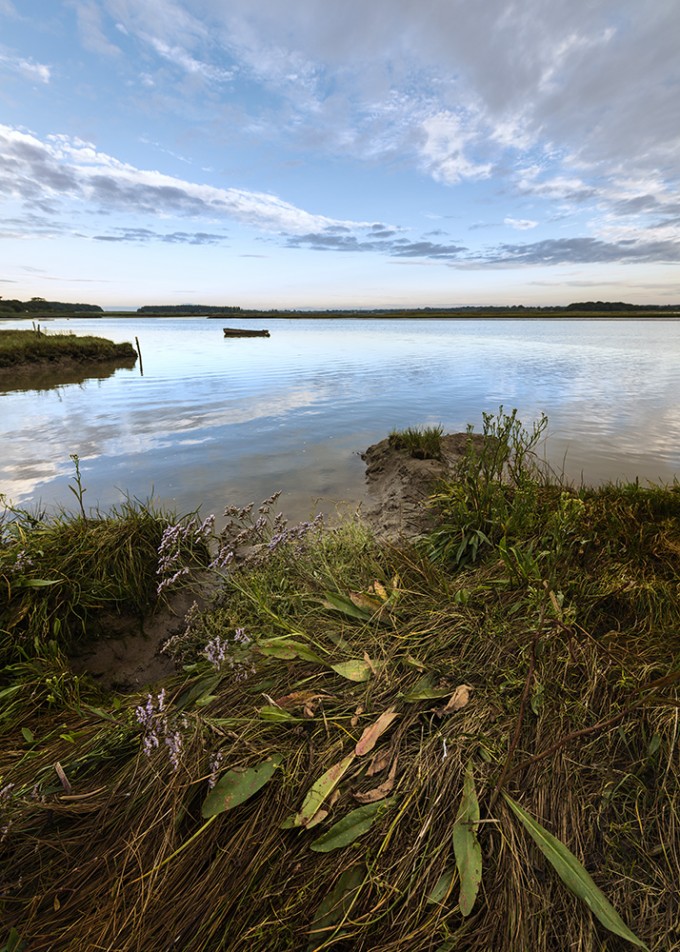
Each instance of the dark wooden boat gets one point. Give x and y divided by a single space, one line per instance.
243 332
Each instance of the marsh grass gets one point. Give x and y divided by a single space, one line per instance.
18 347
419 442
565 634
59 574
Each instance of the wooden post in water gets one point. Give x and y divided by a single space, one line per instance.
139 351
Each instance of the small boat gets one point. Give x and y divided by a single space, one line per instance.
244 332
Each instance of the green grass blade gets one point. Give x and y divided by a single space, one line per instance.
574 876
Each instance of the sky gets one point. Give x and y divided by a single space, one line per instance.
340 153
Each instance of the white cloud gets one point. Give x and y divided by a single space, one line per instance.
91 28
26 68
443 151
179 57
521 224
70 169
456 89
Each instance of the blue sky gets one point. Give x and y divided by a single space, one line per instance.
340 153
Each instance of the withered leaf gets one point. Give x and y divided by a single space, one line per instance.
380 792
370 736
365 602
458 700
379 762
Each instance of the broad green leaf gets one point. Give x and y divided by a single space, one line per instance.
424 690
269 712
27 735
574 876
466 845
355 670
238 785
206 699
341 603
199 689
336 906
350 827
287 649
442 887
321 789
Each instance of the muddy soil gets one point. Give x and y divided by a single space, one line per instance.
126 651
399 485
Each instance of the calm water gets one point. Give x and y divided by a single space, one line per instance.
214 421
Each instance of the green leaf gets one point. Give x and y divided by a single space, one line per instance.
14 942
321 789
350 827
277 715
36 583
238 785
341 603
27 735
201 688
287 649
355 670
423 690
466 845
336 906
442 887
574 876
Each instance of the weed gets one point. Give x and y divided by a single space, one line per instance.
419 442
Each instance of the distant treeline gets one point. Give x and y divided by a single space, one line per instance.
187 309
39 306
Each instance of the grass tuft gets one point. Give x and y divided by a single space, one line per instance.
419 442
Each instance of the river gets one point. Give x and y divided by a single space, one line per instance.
214 422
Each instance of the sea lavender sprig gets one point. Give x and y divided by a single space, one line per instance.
178 540
157 726
221 653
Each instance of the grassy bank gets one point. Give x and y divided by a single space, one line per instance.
468 743
20 349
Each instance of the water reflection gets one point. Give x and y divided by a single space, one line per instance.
45 377
216 421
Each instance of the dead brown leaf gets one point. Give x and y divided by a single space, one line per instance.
301 699
365 602
379 762
370 736
458 700
370 664
379 793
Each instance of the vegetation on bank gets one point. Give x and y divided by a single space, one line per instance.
38 308
419 442
470 742
20 348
